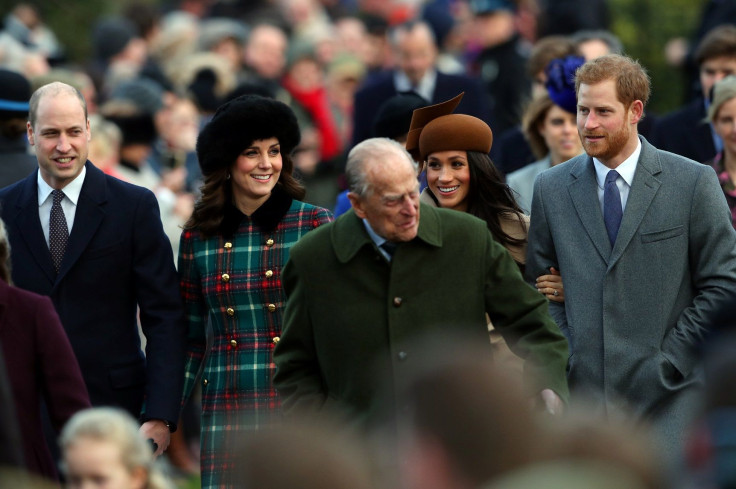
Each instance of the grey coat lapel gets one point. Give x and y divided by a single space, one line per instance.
643 189
584 194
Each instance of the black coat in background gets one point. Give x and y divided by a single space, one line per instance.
370 97
15 161
685 132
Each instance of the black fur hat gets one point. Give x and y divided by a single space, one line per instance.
238 123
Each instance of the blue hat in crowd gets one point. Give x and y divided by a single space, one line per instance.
561 81
15 94
490 6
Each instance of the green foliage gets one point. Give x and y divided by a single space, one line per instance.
644 27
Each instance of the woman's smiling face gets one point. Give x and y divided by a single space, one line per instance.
448 177
255 173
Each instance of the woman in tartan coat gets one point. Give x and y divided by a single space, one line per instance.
230 259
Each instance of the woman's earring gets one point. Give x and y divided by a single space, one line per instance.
228 177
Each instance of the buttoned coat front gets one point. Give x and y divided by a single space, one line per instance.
635 312
236 282
354 321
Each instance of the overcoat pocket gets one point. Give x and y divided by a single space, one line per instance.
663 234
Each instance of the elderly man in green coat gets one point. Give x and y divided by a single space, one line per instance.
363 290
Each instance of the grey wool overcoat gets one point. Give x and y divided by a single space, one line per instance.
636 313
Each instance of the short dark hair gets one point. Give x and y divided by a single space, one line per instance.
720 41
547 49
534 115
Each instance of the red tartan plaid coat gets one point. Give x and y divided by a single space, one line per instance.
234 279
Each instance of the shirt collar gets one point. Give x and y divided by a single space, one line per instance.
71 191
625 169
426 85
379 240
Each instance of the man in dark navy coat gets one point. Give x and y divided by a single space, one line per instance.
686 131
415 49
110 258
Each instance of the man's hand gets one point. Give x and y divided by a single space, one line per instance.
157 430
552 402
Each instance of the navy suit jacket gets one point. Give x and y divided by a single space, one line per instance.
685 132
117 258
370 97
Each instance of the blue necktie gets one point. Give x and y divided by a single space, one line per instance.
389 247
612 211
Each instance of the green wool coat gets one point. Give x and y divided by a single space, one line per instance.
352 319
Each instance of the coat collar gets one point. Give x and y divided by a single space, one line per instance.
88 217
348 233
267 216
583 190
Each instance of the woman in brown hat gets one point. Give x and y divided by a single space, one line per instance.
461 176
232 251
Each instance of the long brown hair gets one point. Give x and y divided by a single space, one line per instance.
216 193
490 198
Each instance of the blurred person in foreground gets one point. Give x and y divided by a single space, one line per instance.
380 269
40 364
722 115
306 444
102 447
232 252
647 253
96 246
463 421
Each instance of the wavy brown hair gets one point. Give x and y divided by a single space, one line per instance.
490 198
533 118
216 193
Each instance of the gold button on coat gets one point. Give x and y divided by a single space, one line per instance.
228 245
230 311
225 277
269 242
272 307
233 343
276 339
269 273
205 381
397 301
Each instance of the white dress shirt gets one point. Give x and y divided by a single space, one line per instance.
425 88
626 172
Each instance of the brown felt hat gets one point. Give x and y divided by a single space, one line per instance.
436 128
455 132
423 116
